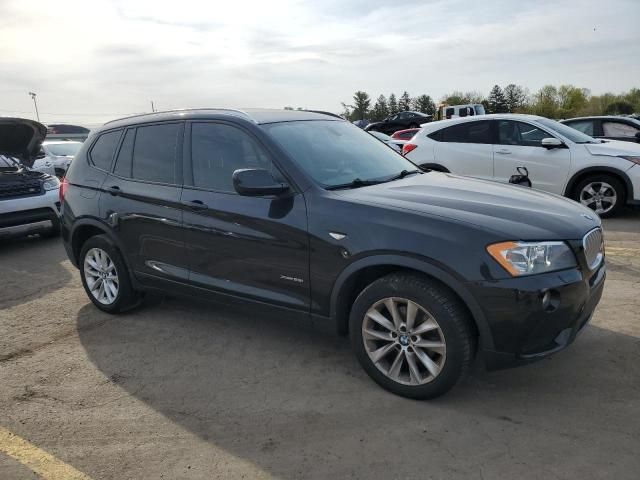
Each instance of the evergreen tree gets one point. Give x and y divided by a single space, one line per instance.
405 102
497 101
361 105
424 104
393 104
380 109
515 97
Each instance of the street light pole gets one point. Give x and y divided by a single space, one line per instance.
33 96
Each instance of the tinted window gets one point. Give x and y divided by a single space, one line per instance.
335 153
154 154
218 150
584 126
462 112
123 162
519 133
103 150
468 132
617 129
449 112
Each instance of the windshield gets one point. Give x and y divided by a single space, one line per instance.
336 153
68 149
566 131
380 135
479 109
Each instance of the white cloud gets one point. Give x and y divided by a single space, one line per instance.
109 57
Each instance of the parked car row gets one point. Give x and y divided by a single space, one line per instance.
626 129
602 175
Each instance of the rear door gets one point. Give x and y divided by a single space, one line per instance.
252 247
465 149
141 199
519 144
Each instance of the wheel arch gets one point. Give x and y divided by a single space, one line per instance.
586 172
361 273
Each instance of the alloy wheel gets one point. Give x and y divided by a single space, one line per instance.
101 276
404 341
599 196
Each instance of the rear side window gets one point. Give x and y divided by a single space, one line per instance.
103 150
125 155
584 126
154 153
468 132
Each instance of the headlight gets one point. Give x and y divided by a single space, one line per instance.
51 183
631 158
528 258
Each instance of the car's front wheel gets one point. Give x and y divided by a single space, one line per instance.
412 335
105 277
602 193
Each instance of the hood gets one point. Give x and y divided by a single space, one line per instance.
510 211
21 138
613 148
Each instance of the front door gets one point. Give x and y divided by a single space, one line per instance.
519 145
251 247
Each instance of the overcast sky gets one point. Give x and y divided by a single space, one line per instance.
91 61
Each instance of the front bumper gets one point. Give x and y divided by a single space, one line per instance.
29 215
523 328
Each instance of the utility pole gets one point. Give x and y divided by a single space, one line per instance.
33 96
153 109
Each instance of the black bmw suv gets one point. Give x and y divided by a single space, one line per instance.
306 214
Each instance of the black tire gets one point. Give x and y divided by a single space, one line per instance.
126 297
613 182
448 311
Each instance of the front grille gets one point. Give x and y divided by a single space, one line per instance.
21 189
593 247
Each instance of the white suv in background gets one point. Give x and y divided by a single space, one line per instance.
601 175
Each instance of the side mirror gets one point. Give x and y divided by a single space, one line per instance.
256 182
638 136
551 142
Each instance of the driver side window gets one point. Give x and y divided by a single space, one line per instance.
520 134
218 150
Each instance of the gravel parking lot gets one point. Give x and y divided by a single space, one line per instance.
185 390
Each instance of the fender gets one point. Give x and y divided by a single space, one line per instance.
420 265
90 221
573 180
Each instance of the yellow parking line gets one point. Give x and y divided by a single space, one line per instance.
623 252
36 459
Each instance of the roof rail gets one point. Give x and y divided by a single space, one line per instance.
176 110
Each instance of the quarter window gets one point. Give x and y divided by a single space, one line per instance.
618 129
154 153
103 150
218 150
519 133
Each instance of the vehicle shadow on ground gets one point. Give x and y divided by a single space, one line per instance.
31 267
295 402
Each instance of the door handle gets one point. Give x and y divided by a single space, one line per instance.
503 151
195 205
114 190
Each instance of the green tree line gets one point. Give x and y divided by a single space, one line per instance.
565 101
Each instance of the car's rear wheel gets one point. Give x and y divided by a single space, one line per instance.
105 276
602 193
412 335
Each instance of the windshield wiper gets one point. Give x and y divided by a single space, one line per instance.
355 183
402 174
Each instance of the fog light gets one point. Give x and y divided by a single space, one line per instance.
550 300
